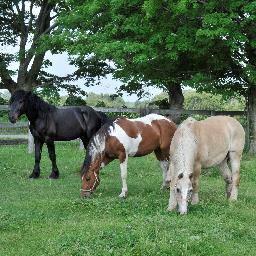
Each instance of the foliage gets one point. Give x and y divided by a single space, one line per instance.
2 102
150 42
73 100
25 31
49 217
160 101
203 101
23 24
227 32
49 94
104 100
207 101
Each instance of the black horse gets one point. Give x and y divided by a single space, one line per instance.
49 123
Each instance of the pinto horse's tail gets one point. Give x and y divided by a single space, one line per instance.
103 117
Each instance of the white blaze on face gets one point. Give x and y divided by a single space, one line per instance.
183 191
131 145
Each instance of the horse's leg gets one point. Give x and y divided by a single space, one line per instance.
85 141
52 156
38 150
235 158
123 169
226 174
164 166
195 183
172 200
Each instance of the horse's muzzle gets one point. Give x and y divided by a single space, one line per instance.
13 118
86 194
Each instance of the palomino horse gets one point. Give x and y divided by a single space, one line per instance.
203 144
122 138
49 124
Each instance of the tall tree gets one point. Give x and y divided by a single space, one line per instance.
22 24
228 33
25 30
150 42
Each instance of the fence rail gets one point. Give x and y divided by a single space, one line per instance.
157 111
140 111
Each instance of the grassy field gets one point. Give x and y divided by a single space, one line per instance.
48 217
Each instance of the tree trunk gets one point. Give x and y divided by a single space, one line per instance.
176 100
251 118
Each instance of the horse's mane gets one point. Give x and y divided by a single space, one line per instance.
39 104
96 145
32 99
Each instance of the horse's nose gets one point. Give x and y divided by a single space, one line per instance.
86 194
12 118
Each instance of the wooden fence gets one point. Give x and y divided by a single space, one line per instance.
139 111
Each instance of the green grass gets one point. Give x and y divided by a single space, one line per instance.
48 217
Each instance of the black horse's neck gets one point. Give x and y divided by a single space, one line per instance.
36 107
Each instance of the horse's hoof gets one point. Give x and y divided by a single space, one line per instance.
34 175
232 199
194 202
183 213
170 209
165 187
123 195
195 199
54 176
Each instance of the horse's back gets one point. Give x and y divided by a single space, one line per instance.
217 136
75 122
223 127
142 136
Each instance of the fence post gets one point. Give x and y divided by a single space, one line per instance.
30 142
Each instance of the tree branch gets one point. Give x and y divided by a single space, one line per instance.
6 80
48 30
43 27
31 16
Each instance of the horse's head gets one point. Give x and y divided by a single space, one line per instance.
17 105
90 180
183 191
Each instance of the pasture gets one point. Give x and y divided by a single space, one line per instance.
48 217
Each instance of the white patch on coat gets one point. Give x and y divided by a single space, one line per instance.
149 118
131 145
97 146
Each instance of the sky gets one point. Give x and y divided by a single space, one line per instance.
60 66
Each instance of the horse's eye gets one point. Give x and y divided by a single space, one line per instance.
87 178
21 101
177 190
191 190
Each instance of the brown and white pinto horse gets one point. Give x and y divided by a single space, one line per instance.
122 138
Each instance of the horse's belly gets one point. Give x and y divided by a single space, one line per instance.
213 160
